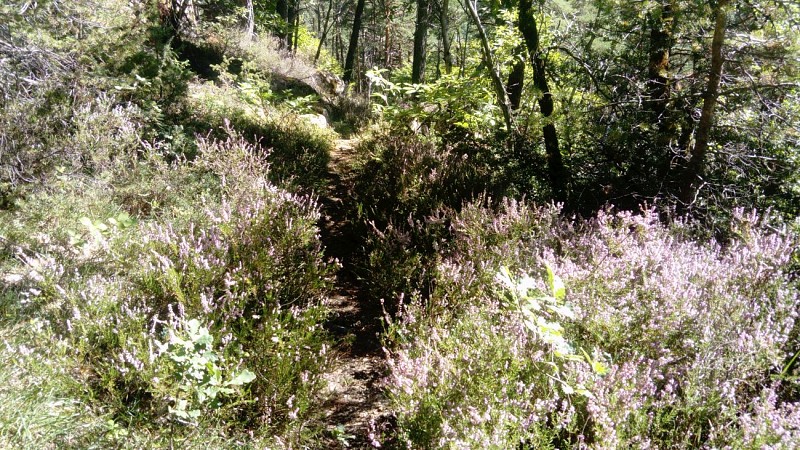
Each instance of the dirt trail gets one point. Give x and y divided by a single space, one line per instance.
356 410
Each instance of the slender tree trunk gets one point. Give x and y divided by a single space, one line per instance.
555 162
291 19
696 164
500 89
350 61
341 56
444 21
325 29
296 32
387 43
420 41
251 20
464 41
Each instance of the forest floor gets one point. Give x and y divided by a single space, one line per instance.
356 409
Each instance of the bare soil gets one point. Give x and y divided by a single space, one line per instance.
356 409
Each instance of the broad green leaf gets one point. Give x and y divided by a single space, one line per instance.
563 311
559 290
243 377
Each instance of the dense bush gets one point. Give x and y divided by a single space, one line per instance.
676 343
298 151
192 314
401 185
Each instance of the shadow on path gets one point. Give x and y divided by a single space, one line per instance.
356 408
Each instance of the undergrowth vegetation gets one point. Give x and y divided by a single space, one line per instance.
187 316
662 341
163 279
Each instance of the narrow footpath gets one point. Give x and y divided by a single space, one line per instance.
356 412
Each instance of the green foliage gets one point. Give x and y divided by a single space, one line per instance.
474 364
498 375
105 286
298 152
196 371
162 278
403 187
456 107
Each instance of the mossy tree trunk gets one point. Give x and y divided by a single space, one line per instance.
557 172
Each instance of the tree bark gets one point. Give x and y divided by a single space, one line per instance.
251 20
658 82
444 21
349 62
282 9
325 29
292 14
296 31
516 78
500 89
696 164
420 41
555 163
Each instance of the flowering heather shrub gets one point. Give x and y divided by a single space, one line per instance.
298 151
695 330
695 337
401 186
246 265
253 270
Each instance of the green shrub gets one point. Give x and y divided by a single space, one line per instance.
226 248
298 152
404 187
677 342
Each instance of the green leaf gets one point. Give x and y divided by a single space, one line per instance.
559 290
563 311
550 275
243 377
599 368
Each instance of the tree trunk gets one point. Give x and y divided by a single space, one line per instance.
282 9
251 20
444 20
464 44
350 61
555 163
696 164
291 20
516 79
325 29
420 41
296 31
658 94
500 89
658 82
